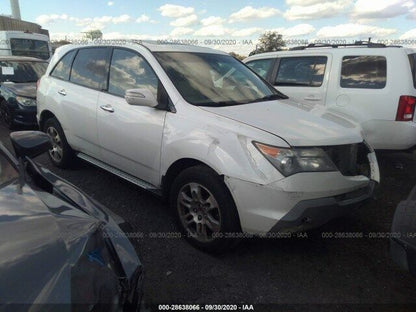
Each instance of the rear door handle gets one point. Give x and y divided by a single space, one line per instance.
107 108
62 92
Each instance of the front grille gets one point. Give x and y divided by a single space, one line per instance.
350 159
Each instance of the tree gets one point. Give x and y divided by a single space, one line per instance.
237 56
93 34
268 42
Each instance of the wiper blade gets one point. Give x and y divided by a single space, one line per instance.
270 97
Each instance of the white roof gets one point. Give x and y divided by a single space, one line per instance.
153 46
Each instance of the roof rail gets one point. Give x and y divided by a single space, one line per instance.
360 43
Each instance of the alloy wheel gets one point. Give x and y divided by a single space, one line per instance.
199 212
56 152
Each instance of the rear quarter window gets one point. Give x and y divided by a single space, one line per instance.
363 72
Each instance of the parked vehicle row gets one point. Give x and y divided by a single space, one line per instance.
18 79
228 151
371 86
25 43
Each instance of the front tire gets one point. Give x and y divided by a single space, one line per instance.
204 209
61 154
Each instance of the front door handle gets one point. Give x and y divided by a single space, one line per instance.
107 108
62 92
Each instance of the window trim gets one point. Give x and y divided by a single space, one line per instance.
351 56
278 64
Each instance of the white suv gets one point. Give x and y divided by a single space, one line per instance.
198 126
367 85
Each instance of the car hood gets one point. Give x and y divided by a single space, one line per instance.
292 123
27 89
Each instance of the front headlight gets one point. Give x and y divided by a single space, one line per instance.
25 101
293 160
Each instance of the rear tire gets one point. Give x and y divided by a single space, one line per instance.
205 210
61 154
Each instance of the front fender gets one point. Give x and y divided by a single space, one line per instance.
224 145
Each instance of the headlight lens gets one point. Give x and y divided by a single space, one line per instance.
293 160
26 101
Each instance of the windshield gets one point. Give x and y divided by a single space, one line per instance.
30 47
20 72
206 79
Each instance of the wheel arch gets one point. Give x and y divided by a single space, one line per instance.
177 167
44 116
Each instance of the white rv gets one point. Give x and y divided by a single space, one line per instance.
23 43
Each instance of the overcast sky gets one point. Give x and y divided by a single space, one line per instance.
225 19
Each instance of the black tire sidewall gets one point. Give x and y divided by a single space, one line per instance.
67 156
230 222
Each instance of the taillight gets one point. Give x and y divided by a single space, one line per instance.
406 109
37 84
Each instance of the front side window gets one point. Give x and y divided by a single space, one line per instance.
90 68
305 71
30 47
129 70
21 72
261 67
63 68
364 72
208 79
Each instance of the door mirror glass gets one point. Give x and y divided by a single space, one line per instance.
140 97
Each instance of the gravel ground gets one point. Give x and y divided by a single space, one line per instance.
298 274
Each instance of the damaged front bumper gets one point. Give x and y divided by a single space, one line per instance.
298 202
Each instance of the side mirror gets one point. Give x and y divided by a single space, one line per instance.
30 143
140 97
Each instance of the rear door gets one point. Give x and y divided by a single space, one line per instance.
304 78
78 97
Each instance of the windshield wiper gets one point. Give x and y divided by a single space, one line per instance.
274 96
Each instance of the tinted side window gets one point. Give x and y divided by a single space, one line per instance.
63 68
412 60
261 67
90 68
301 71
129 70
363 72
